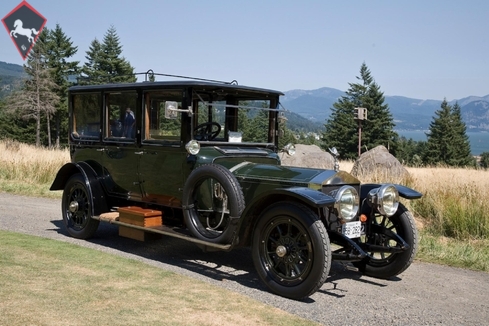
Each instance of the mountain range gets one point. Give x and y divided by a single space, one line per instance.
307 110
408 113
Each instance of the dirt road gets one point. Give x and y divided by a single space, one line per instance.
425 294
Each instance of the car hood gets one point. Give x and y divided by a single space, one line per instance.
312 178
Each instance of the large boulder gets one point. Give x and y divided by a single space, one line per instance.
310 156
378 165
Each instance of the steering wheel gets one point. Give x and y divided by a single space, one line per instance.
205 131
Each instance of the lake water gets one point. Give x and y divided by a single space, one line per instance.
479 141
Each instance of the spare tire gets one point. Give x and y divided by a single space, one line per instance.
212 203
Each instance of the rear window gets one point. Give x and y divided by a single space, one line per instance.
86 117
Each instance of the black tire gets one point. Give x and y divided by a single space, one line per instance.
77 207
291 250
387 265
203 212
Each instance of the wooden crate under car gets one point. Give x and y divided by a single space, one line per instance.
141 217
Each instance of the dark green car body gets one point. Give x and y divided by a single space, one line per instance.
207 155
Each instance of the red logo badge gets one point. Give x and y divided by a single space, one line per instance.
24 24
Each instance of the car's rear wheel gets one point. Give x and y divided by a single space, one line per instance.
212 203
388 264
77 208
291 250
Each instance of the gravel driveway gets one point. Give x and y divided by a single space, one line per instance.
425 294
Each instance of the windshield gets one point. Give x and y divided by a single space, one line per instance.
234 119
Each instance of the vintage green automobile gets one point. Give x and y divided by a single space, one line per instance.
206 154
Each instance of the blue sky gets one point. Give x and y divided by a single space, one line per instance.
422 49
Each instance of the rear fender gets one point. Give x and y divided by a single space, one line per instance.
93 184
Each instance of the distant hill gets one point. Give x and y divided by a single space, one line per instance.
408 113
476 115
10 73
11 69
307 110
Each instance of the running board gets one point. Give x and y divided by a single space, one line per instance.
161 229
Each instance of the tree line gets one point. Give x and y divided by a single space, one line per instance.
37 111
447 141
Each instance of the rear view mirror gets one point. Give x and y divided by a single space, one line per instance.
171 109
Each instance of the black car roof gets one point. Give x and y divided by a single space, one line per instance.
174 84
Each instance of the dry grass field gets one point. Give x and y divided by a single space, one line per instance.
25 169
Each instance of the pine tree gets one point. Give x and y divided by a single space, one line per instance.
286 135
484 160
410 152
461 145
439 136
105 62
258 127
448 142
37 98
91 69
341 128
59 48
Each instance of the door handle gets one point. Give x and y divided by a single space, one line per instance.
139 153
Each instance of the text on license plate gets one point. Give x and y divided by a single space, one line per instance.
352 229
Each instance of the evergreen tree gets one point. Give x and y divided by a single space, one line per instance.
257 130
59 48
410 152
286 135
37 98
439 136
105 62
91 69
341 128
484 162
448 142
461 145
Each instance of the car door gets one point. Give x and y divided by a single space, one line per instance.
121 154
164 156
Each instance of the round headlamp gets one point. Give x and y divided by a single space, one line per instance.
289 149
192 147
347 203
384 199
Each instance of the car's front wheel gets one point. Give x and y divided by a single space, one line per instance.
77 208
386 234
291 250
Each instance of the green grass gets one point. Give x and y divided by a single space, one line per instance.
48 282
26 188
472 254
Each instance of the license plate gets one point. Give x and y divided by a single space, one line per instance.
352 229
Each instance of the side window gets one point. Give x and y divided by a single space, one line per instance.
121 117
86 115
157 128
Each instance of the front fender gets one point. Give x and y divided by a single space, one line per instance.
314 199
404 191
310 197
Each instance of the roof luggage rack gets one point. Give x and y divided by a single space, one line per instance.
149 76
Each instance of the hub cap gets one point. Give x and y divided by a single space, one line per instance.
287 251
73 207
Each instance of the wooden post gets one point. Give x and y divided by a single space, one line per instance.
359 137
